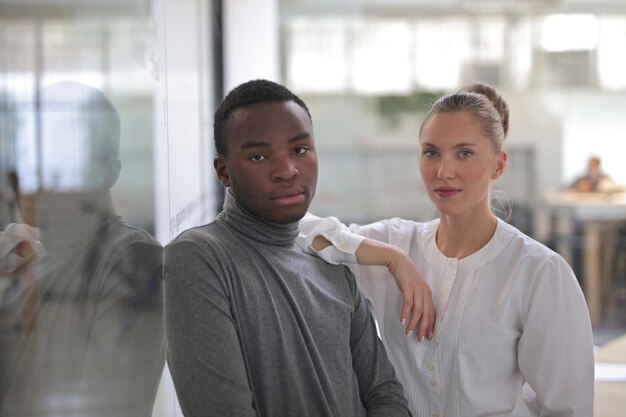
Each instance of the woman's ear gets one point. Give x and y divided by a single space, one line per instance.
222 171
501 159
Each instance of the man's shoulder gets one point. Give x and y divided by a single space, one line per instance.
324 272
204 239
212 241
205 234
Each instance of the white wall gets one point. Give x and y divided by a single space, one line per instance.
251 41
185 186
186 189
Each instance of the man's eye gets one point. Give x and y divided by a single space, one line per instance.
300 150
257 158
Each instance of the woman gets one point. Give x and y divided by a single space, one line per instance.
513 335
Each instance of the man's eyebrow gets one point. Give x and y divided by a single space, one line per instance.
265 144
255 144
301 136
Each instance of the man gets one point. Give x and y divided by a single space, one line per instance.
595 180
81 318
255 326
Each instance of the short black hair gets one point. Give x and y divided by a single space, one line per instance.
91 108
246 94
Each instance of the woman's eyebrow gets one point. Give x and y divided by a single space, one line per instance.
464 144
458 145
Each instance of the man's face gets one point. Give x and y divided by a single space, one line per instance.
271 164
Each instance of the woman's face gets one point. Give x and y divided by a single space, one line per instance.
458 163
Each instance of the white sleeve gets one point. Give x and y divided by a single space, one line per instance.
344 242
556 347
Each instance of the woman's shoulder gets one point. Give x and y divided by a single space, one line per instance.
526 248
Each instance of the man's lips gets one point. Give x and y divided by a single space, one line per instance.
288 196
447 191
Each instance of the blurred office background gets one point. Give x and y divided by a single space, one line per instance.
368 69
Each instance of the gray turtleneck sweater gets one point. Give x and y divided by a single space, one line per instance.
256 327
96 346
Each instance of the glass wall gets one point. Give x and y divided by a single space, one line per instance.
80 292
371 72
104 113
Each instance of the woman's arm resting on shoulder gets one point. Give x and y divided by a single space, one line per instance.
333 242
340 246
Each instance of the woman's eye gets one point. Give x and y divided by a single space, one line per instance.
300 150
466 154
430 154
257 158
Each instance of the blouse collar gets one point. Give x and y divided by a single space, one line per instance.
255 227
503 235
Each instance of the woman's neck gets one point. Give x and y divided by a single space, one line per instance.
462 235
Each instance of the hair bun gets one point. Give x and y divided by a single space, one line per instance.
494 97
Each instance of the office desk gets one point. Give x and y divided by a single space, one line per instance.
556 216
610 397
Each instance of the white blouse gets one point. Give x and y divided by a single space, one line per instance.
511 319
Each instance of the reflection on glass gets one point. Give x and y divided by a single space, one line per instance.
80 290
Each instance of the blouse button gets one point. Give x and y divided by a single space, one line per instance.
433 383
431 367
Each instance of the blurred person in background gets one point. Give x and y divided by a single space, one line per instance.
82 327
595 179
513 335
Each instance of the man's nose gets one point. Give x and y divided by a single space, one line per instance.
284 169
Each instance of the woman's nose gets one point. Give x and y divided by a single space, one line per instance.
446 169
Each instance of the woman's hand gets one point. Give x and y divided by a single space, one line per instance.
417 300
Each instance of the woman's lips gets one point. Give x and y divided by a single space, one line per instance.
446 192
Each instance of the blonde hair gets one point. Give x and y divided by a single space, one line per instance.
484 103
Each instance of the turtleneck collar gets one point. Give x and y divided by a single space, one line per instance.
261 230
69 222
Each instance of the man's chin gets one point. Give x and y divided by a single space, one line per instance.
291 215
288 219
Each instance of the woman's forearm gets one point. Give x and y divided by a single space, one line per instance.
416 295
